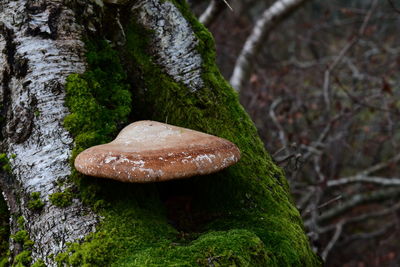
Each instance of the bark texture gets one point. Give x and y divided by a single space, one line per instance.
173 42
40 43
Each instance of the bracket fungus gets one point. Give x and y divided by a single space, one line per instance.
150 151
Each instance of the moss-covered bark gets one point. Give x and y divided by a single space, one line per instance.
4 231
242 216
4 215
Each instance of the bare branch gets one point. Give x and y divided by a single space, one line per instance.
358 199
365 179
313 149
332 242
285 158
363 217
338 227
282 135
394 6
363 102
342 53
327 203
380 166
211 13
378 213
327 74
304 199
381 231
228 5
269 20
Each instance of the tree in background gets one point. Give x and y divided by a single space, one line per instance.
73 74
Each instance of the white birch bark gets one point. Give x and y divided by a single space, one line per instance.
173 41
269 20
41 45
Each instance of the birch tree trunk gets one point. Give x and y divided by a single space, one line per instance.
68 71
40 44
269 20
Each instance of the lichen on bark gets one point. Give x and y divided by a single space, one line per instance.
243 216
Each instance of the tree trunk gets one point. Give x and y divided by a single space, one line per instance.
69 71
41 45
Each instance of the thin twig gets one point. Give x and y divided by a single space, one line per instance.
364 179
342 53
394 6
270 18
363 217
282 135
380 166
358 199
226 2
332 242
381 231
211 13
327 203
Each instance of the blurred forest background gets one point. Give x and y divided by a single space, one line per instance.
324 94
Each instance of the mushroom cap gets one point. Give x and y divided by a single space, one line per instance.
150 151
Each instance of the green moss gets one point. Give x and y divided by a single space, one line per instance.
5 163
242 216
39 263
21 236
4 231
3 262
35 203
222 248
21 222
61 199
99 100
24 257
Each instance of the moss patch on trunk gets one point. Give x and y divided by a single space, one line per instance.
242 216
4 231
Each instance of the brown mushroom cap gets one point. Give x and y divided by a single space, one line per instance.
149 151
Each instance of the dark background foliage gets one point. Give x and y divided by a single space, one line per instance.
324 94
